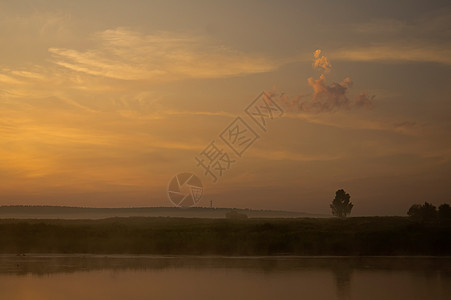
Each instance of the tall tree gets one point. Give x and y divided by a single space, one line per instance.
341 205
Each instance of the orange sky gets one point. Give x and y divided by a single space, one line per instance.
102 103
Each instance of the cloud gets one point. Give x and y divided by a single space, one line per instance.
407 52
407 124
279 155
38 23
381 26
425 39
364 100
38 143
326 97
5 79
320 62
346 120
128 55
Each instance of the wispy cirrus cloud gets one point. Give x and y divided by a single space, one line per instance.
129 55
425 39
414 51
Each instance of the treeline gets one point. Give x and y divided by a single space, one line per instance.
66 212
169 236
428 212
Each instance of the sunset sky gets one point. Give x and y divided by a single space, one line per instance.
103 102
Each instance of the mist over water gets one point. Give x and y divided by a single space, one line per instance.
177 277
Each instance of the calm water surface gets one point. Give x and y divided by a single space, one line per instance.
155 277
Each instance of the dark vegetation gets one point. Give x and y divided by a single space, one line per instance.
66 212
428 212
233 214
332 236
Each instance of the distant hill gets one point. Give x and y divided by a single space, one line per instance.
66 212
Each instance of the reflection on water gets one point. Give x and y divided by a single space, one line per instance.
342 274
145 277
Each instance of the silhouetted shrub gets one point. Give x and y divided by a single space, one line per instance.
444 212
425 212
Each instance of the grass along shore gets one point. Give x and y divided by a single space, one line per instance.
360 236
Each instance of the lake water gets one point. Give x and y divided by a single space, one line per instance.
159 277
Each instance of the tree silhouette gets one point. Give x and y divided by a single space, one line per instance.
415 211
444 212
425 212
341 205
